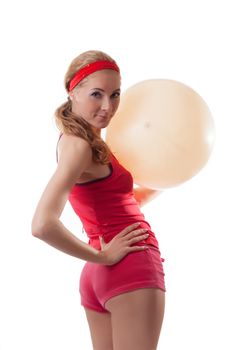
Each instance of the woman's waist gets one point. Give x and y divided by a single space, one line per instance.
112 227
95 242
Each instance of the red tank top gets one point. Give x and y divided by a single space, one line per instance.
107 205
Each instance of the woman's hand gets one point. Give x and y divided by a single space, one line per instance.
120 245
143 195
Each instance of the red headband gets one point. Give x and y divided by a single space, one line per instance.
90 68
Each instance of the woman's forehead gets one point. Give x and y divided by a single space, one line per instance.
107 77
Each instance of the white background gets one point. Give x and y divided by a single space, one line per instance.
188 41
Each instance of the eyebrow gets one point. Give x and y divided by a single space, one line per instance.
103 90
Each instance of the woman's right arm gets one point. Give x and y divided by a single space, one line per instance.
75 157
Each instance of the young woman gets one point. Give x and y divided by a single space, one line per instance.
122 282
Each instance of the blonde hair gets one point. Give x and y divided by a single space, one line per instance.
70 123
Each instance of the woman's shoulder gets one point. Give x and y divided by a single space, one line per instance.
70 143
68 139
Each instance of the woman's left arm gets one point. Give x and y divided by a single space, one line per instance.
143 195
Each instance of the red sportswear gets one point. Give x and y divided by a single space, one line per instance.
107 205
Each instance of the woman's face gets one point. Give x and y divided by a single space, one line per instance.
98 98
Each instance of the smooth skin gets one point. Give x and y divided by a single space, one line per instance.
134 321
135 318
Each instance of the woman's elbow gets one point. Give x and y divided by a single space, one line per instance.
38 228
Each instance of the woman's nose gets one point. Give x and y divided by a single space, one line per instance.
106 104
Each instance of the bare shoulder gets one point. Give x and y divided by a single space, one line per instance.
72 142
75 157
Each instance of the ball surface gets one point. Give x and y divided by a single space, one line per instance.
163 133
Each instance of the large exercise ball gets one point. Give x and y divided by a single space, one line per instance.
163 133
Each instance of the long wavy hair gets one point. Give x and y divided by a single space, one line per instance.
69 122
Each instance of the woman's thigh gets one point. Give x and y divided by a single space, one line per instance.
100 326
137 318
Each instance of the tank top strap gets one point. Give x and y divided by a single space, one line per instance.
57 145
112 155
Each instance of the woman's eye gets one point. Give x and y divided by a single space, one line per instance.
96 93
117 94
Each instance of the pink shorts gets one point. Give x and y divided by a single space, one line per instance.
141 269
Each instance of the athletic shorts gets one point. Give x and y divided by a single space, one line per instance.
140 269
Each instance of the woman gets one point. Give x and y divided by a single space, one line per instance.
122 282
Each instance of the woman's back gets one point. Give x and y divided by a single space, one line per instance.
106 205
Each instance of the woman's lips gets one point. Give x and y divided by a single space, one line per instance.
102 117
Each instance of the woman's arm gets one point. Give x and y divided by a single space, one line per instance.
58 236
143 195
75 156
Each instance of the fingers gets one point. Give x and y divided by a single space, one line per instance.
129 229
137 232
137 248
137 239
